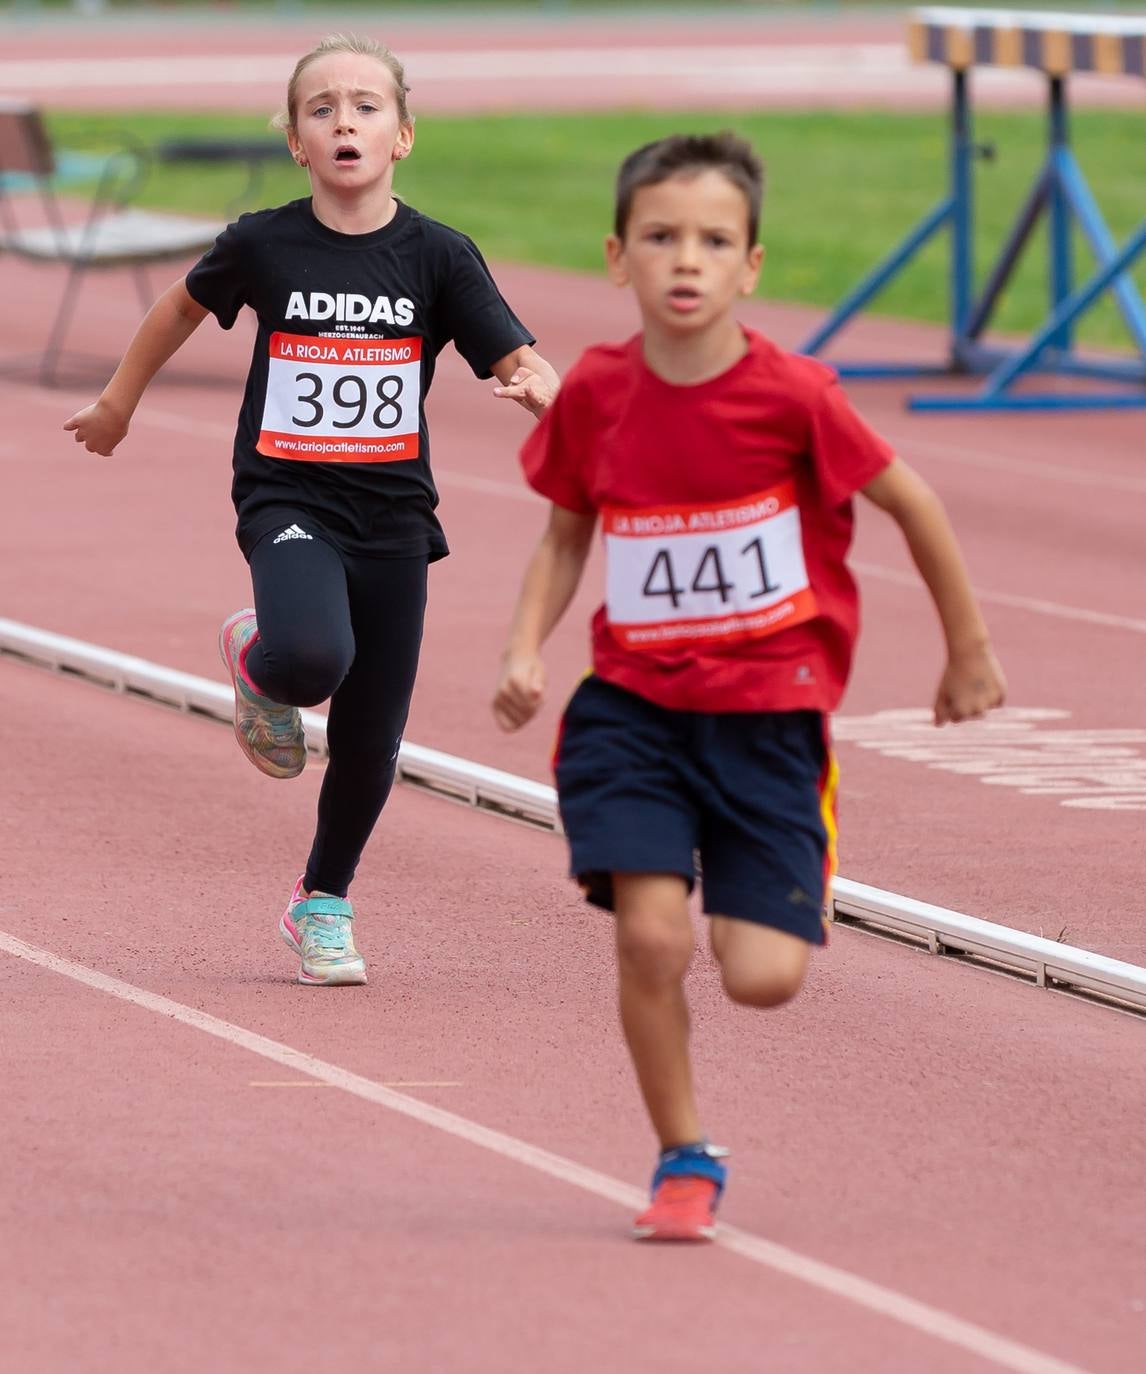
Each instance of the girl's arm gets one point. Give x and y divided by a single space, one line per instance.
550 581
165 328
972 682
526 378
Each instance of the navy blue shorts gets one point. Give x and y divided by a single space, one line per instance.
643 789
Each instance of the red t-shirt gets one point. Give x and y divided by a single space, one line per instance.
727 514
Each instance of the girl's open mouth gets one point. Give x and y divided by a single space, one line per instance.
347 154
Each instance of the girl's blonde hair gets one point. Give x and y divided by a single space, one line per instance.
345 42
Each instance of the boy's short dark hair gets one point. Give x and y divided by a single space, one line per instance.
656 162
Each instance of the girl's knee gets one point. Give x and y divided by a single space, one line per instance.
304 678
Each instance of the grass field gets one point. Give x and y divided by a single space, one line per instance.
496 8
843 188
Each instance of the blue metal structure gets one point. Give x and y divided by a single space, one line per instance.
1060 191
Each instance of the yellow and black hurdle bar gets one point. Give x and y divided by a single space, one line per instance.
1056 45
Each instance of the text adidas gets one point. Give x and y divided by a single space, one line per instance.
349 307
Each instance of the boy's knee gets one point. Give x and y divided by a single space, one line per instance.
765 987
654 950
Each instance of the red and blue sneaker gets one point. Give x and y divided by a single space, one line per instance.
686 1189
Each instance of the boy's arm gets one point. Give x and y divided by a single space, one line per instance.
526 378
972 682
550 581
165 328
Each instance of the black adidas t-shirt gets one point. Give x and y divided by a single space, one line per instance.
333 420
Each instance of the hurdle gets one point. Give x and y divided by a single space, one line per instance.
1056 45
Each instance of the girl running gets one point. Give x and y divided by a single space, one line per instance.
355 294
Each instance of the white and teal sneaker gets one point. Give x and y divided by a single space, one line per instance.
319 930
270 735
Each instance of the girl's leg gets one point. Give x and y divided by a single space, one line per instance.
293 651
305 642
761 966
654 947
387 602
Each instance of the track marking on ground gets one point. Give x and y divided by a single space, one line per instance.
310 1083
903 578
1023 467
795 63
1024 747
885 1302
518 491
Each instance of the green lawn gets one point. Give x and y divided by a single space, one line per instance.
843 188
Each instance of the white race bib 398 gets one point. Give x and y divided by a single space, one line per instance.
341 400
711 574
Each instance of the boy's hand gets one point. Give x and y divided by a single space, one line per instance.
519 690
528 389
98 427
972 685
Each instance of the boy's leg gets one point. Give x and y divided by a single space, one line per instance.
654 948
629 817
767 849
760 966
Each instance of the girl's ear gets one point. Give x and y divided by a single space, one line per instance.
295 147
404 143
615 263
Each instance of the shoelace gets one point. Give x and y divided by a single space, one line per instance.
281 721
329 932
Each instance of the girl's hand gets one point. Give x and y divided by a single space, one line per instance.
972 685
520 690
98 427
528 389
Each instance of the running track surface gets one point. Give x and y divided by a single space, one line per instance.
932 1128
944 1133
137 553
748 60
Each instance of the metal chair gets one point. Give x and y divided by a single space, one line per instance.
111 232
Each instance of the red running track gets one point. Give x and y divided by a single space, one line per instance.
136 553
174 1202
748 60
954 1137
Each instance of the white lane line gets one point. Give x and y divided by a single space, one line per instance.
902 578
485 66
518 491
886 1302
310 1083
1023 467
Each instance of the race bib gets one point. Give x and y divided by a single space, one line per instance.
342 400
712 574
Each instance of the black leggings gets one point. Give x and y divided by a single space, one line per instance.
348 628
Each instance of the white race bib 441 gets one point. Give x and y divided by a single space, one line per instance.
342 400
710 574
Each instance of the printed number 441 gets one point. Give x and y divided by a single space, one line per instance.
709 575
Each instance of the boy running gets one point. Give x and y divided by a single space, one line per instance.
722 471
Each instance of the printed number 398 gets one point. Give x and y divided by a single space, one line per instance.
351 396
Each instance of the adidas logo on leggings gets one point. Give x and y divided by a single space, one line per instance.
291 532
